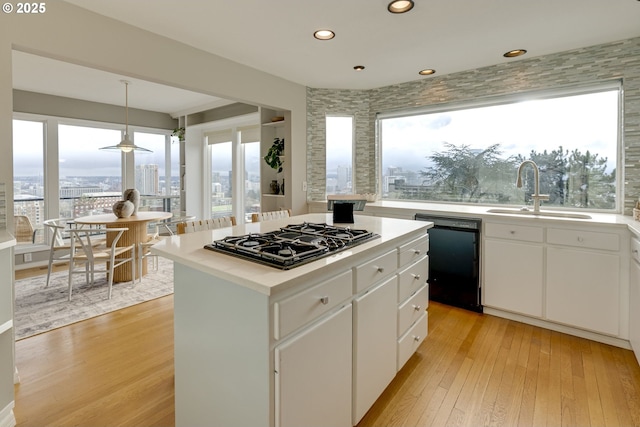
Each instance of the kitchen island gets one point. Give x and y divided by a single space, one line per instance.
313 345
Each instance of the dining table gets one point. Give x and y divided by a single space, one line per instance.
136 233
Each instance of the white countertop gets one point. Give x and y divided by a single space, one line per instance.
408 209
187 249
6 239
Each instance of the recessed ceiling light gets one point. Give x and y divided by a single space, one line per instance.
324 34
400 6
359 67
427 72
514 53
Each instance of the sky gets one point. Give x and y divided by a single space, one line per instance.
79 150
582 122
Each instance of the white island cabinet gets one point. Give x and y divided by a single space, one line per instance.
314 345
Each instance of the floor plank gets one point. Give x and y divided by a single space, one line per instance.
471 370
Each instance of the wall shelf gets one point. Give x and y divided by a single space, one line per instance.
275 124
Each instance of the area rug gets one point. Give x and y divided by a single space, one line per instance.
39 309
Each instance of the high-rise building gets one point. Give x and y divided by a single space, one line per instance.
147 179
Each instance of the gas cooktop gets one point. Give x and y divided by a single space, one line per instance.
292 245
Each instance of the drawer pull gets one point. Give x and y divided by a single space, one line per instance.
416 251
416 276
416 338
580 239
380 269
416 307
635 251
512 231
324 300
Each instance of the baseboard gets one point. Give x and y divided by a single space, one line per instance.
6 416
593 336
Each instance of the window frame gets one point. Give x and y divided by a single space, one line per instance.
353 149
511 98
51 153
234 125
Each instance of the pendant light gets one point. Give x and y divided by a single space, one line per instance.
126 145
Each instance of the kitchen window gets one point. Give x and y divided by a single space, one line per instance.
339 156
469 153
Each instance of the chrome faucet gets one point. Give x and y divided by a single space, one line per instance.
536 196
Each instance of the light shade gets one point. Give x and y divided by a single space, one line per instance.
126 145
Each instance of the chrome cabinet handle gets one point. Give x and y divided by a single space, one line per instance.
416 307
416 251
324 300
416 338
380 269
416 276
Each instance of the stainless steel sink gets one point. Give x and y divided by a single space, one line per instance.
515 211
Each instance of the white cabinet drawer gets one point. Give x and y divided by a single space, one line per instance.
412 278
378 268
514 232
412 309
583 239
295 311
413 251
635 249
409 342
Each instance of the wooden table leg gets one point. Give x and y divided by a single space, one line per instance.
137 233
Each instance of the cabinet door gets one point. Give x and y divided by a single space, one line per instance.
375 324
513 275
634 308
313 375
583 289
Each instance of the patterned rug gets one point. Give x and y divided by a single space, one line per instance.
39 309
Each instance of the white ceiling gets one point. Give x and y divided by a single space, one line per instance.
275 36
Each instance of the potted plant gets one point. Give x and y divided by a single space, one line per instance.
179 132
275 152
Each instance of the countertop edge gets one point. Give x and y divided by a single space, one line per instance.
6 240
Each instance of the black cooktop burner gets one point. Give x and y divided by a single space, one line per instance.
292 245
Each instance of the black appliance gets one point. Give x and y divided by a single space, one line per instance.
293 245
454 261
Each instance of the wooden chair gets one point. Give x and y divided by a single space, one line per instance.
24 231
206 224
84 254
268 216
60 242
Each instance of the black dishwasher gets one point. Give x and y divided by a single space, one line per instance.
454 261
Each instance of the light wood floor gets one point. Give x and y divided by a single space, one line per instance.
117 370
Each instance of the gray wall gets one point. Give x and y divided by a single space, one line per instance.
619 60
50 105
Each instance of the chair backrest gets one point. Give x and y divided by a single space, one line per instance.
268 216
23 229
81 239
58 230
206 224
